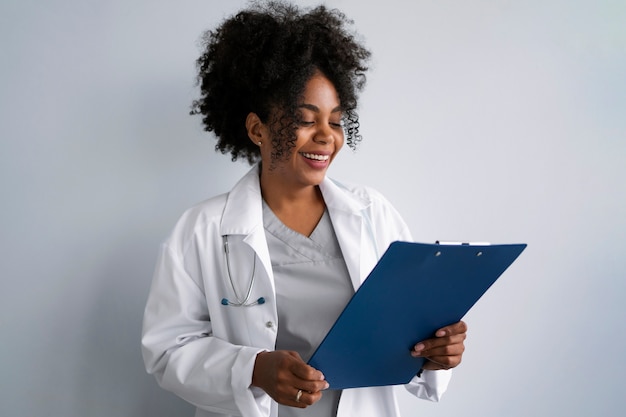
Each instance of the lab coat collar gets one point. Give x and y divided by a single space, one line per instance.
243 212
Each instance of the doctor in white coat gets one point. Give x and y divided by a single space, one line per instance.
212 318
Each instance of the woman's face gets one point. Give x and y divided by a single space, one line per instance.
319 138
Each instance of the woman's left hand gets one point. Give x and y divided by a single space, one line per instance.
444 351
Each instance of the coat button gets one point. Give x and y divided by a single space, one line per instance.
269 324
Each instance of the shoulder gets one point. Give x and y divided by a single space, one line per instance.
378 212
365 195
206 219
205 211
199 219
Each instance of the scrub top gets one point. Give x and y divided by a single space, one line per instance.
312 288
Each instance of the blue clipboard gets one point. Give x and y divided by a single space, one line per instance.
415 289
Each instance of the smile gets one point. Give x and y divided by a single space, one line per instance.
315 156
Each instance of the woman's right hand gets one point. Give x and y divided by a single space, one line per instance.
282 373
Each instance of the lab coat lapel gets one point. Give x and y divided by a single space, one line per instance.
348 215
243 216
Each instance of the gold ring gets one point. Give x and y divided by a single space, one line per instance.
298 395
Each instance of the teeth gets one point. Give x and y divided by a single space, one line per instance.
316 157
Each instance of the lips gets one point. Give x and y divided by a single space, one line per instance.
315 156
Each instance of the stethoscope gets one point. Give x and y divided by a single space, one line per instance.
245 302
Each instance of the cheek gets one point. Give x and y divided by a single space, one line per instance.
339 143
301 138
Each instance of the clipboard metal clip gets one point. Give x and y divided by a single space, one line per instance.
445 242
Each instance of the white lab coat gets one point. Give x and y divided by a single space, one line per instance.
204 351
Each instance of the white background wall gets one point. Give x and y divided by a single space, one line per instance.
483 120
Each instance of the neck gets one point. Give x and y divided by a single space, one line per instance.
280 198
299 208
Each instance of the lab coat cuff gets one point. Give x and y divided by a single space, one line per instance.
430 385
251 401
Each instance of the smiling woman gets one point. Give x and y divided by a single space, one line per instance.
278 88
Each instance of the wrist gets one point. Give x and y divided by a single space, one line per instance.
258 366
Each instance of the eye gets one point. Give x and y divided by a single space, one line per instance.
306 123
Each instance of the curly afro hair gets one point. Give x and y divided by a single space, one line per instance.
260 60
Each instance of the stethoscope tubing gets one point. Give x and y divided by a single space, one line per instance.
245 302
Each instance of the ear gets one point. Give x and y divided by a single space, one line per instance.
257 131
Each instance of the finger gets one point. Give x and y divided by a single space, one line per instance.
452 349
445 358
442 362
312 387
444 335
296 396
438 345
306 372
303 399
456 328
306 377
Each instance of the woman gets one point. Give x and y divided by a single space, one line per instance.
249 282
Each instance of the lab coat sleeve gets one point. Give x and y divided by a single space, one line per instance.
180 351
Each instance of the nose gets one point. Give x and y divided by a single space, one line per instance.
324 134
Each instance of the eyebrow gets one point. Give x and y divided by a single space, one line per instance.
316 109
